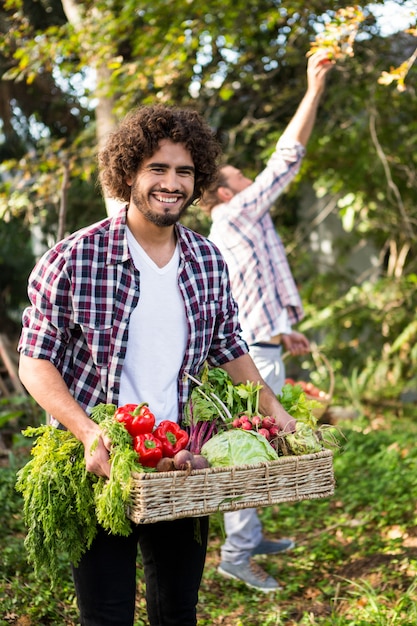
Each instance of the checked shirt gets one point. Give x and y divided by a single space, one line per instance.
262 282
83 291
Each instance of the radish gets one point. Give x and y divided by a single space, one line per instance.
268 422
265 433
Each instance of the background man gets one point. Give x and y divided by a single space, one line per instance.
263 286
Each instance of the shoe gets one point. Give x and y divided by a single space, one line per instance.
273 547
251 574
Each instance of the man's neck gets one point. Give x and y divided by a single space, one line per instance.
157 241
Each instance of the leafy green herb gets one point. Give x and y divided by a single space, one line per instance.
249 393
63 503
58 499
294 401
213 403
215 394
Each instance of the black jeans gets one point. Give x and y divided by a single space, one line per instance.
173 556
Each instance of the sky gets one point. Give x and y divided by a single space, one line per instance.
394 18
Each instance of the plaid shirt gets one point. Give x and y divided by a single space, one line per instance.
242 228
83 291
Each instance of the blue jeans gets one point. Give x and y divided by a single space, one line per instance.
173 556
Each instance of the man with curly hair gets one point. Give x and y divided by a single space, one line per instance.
119 312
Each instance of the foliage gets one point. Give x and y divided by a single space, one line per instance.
14 410
243 66
338 36
369 330
355 559
399 74
14 235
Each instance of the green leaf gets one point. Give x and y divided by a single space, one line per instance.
63 502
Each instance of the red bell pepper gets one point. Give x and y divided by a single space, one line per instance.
171 435
148 449
136 418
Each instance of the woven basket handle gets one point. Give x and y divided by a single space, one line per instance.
319 358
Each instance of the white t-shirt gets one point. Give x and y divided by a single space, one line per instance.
157 337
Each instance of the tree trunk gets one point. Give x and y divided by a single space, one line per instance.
105 120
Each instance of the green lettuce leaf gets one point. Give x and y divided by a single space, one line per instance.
238 447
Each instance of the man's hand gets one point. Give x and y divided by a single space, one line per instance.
295 343
318 66
96 452
285 422
269 405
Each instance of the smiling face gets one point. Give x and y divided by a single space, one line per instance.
164 185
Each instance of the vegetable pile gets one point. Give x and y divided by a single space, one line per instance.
161 448
217 407
222 426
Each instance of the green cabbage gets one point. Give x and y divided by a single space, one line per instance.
238 447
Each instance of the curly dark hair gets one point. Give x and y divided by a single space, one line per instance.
138 136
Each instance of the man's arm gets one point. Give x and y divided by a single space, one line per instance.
46 385
243 369
301 125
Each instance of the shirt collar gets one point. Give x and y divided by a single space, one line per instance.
118 249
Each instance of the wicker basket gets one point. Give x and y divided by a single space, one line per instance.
171 495
322 364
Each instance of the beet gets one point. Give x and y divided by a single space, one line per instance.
199 462
183 460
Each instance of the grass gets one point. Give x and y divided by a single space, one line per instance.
354 564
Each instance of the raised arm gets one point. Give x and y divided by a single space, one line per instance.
302 123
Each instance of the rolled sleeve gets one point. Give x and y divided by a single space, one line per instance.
39 339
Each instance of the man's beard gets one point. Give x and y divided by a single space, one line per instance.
159 219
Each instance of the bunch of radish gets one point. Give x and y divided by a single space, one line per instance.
264 425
